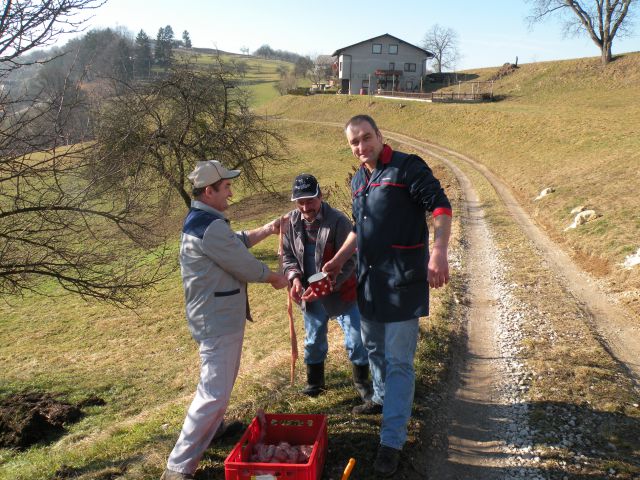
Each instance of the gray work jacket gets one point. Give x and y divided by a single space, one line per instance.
334 229
216 265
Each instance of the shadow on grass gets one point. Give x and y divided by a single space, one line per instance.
98 469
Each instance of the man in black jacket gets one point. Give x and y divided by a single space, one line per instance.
392 193
314 233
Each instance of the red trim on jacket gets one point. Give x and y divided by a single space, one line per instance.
359 190
401 185
442 211
408 247
385 155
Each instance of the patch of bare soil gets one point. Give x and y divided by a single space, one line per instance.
506 69
30 417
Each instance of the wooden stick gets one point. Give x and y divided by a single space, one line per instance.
292 328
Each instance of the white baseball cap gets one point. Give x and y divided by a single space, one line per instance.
209 172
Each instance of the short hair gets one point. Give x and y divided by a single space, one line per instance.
362 118
197 191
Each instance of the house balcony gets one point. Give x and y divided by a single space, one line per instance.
388 73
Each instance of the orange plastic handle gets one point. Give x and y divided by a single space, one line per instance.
348 468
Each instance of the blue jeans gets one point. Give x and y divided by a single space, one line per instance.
315 338
392 348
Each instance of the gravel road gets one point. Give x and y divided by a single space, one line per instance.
489 436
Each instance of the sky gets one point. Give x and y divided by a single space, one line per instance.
490 32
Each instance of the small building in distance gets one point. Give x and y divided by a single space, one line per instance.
384 62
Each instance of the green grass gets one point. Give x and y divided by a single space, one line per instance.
260 74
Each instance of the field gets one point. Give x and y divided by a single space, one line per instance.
260 75
570 125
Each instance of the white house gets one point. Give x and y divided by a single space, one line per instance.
383 62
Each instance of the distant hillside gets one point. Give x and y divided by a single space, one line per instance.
573 125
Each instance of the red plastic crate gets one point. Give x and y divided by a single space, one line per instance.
296 429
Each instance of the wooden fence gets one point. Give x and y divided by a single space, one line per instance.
438 96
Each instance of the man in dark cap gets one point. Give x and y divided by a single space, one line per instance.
216 266
314 233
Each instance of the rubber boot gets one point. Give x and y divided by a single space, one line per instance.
361 381
315 380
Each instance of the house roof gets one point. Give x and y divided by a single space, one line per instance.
340 50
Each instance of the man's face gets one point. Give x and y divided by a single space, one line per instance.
218 199
309 207
366 144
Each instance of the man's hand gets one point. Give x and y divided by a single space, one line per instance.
332 268
273 227
310 295
256 235
296 291
438 270
277 280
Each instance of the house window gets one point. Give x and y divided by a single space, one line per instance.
340 68
365 83
376 48
409 67
392 66
393 49
409 86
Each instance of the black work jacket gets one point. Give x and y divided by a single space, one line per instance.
389 212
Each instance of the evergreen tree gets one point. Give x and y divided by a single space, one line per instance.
168 44
186 39
123 60
142 55
159 49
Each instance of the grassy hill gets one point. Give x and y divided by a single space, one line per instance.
260 74
572 125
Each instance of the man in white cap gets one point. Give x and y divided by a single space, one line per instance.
216 266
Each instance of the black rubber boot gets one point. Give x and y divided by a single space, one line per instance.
387 461
361 381
315 380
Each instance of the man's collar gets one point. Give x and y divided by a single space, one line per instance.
320 215
207 208
386 154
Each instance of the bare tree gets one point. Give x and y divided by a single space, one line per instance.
302 66
321 71
602 20
58 220
443 43
162 128
29 24
286 83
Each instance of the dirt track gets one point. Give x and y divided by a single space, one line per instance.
488 432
